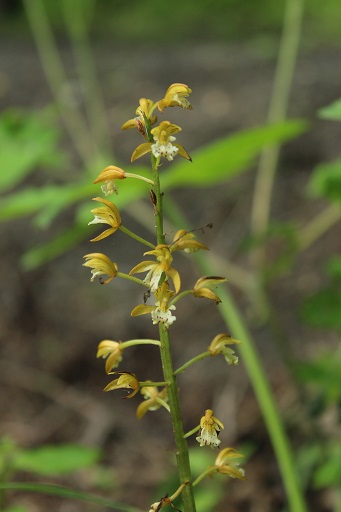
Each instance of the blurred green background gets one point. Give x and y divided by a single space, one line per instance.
71 73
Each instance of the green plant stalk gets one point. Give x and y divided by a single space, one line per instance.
287 57
182 455
257 376
56 78
76 21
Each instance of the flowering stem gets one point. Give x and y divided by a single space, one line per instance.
136 237
192 361
182 455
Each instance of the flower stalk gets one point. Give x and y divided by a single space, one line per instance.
163 281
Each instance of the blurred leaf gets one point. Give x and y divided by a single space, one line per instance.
329 472
26 141
56 459
324 373
15 508
220 161
61 244
332 111
326 181
32 200
64 492
322 310
334 267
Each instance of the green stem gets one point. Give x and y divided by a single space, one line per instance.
277 112
182 455
191 432
77 16
136 237
208 472
131 278
147 384
192 361
57 79
132 343
180 296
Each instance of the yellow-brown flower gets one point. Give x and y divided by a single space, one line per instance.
154 399
156 269
163 145
226 465
144 110
112 173
185 241
127 381
107 214
111 351
101 265
202 287
161 312
209 430
176 96
219 346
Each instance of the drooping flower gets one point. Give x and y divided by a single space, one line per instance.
101 265
154 399
156 269
176 95
202 287
112 173
161 312
107 214
226 465
127 381
185 241
209 430
111 351
163 145
219 346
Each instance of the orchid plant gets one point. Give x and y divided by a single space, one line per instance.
163 281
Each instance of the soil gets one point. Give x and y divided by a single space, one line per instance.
52 318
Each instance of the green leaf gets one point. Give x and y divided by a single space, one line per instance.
61 244
56 460
332 111
224 158
26 141
326 181
64 492
329 472
322 310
